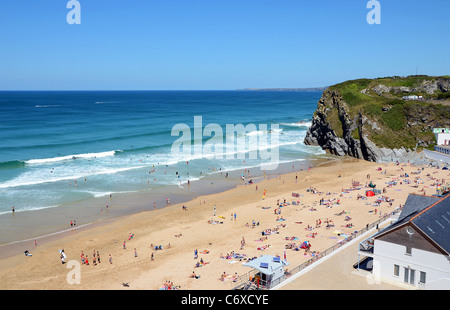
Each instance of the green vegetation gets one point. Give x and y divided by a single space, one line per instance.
394 118
443 96
335 123
409 81
399 123
351 91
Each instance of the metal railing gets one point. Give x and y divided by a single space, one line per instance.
244 280
366 245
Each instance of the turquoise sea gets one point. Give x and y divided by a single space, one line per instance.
61 147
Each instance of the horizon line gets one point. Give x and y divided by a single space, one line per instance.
118 90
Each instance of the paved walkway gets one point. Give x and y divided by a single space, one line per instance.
336 272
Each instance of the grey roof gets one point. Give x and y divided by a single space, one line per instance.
416 203
413 205
435 223
430 214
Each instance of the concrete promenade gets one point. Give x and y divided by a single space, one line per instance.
336 272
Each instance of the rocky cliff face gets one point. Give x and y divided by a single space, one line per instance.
367 131
322 133
428 87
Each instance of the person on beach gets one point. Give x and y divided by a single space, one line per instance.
110 259
124 245
193 275
62 256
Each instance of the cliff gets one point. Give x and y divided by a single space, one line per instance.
384 119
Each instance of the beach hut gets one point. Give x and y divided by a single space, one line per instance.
269 268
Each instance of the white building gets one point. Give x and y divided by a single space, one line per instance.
412 97
414 251
442 136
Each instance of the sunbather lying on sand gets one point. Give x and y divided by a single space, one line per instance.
261 239
290 246
262 248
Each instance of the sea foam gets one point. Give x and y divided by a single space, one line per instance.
70 157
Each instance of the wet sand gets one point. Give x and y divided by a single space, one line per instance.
180 232
22 226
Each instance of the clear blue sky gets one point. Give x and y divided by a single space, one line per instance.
217 44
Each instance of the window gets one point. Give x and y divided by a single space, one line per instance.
409 275
396 270
408 250
423 277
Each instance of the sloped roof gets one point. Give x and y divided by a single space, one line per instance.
266 259
413 205
429 214
434 221
416 203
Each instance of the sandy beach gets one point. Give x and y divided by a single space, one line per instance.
154 248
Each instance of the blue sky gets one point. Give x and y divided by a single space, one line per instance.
217 44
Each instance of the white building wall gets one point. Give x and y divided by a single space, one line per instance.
436 266
443 138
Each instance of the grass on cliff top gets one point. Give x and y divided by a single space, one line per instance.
371 106
351 90
394 131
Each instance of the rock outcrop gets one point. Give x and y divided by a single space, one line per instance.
381 129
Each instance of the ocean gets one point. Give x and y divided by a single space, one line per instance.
58 148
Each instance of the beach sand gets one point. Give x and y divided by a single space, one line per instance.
181 232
